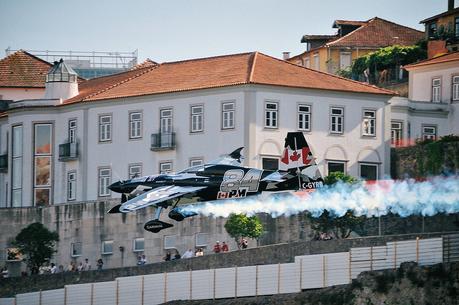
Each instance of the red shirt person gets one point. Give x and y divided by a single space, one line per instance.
217 248
225 247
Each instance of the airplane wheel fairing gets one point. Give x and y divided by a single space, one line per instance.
115 209
156 225
179 215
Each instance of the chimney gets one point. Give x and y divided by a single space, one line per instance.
285 55
450 5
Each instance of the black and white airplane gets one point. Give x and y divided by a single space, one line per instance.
222 179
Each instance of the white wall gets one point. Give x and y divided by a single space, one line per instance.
17 94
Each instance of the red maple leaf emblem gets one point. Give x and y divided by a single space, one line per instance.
295 156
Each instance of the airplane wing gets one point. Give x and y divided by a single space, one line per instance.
156 196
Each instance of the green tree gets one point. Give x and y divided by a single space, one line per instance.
328 222
239 225
37 243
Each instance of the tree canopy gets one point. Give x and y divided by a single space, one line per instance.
239 225
37 243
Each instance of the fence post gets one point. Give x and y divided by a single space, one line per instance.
371 258
191 284
65 295
278 277
256 281
165 287
39 298
143 290
323 270
395 255
235 283
417 249
117 292
301 274
214 283
92 294
350 265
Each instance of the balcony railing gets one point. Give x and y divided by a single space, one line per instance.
68 151
163 141
3 163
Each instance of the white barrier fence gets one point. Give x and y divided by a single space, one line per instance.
308 271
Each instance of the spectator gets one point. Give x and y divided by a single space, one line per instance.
143 259
53 268
225 247
100 264
244 243
217 248
177 255
5 272
87 265
188 254
139 260
199 252
60 269
80 267
167 257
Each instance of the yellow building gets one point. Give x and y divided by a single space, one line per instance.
330 53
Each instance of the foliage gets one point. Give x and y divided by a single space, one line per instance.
341 227
334 177
37 243
346 73
384 282
388 57
449 138
239 225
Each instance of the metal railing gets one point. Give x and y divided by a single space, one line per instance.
68 151
163 141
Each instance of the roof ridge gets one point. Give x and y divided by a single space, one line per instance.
252 66
141 72
332 75
28 54
350 33
398 24
424 61
205 58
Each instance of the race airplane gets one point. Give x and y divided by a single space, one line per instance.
222 179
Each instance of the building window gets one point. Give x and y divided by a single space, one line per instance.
436 90
135 170
196 162
202 240
228 115
456 27
307 64
16 167
71 185
165 118
304 117
105 128
135 125
107 247
429 133
369 123
316 61
396 133
76 249
270 163
336 166
368 171
165 167
455 88
105 176
432 30
170 242
345 60
197 118
72 131
336 120
271 115
42 164
138 245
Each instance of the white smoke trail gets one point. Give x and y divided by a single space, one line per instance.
405 198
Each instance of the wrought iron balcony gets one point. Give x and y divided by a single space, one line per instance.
3 163
68 151
163 141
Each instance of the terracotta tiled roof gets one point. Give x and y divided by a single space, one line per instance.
22 69
213 72
378 33
147 63
336 23
436 60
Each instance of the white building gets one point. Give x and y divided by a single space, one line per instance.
166 117
432 107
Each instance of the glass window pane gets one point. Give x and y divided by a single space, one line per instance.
335 167
43 139
17 141
368 172
42 171
42 197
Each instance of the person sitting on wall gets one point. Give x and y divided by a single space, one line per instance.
139 260
244 243
217 248
100 264
188 254
143 260
177 255
199 252
225 247
168 256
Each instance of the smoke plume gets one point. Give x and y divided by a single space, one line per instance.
405 198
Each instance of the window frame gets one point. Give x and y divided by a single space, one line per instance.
72 130
17 155
301 113
371 120
201 160
455 87
376 165
270 158
316 59
433 89
72 249
231 112
425 136
166 244
271 115
331 116
134 165
103 127
162 163
138 122
396 143
134 244
102 250
343 162
73 193
193 116
99 177
197 243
